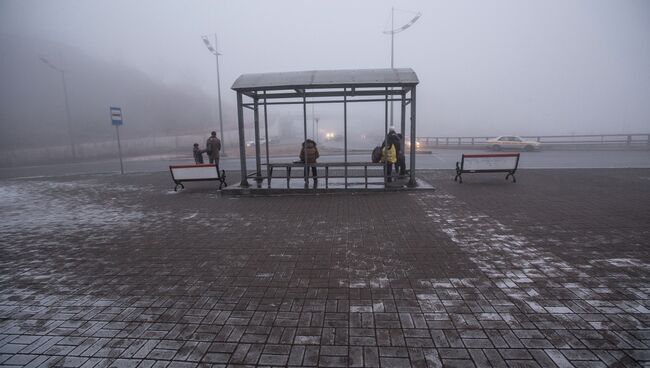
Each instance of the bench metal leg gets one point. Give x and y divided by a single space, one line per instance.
178 184
514 180
327 176
222 179
288 176
365 175
221 175
459 171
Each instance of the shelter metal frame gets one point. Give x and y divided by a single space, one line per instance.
324 87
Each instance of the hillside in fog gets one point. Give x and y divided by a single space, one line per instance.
32 108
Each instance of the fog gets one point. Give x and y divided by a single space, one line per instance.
485 67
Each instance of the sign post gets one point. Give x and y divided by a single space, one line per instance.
116 120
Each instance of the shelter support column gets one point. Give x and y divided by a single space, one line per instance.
412 182
304 141
266 134
403 123
384 150
402 142
258 161
242 142
345 133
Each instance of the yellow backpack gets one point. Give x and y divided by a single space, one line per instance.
389 153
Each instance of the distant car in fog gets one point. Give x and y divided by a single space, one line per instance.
407 143
262 142
511 142
252 143
333 137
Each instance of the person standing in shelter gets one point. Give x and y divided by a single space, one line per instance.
309 154
212 147
390 151
400 166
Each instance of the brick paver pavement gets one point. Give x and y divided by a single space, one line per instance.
112 270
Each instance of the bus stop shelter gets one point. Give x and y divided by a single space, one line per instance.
324 87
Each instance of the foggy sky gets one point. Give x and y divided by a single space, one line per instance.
485 67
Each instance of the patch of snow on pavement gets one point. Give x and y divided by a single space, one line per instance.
44 206
511 261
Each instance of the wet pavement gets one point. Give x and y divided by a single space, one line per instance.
110 270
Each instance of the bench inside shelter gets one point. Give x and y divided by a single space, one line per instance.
198 172
488 163
329 170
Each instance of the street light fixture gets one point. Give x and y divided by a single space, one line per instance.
392 33
67 106
216 53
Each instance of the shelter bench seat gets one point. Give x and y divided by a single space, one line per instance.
487 163
327 165
198 172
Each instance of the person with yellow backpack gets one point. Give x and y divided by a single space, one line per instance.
390 151
308 155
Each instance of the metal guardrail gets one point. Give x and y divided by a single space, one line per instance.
158 145
595 139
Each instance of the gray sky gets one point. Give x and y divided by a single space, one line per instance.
485 67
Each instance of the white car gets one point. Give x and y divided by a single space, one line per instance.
407 143
252 143
511 142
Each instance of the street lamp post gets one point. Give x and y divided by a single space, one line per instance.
67 105
216 53
392 33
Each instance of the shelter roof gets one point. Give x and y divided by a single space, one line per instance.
350 78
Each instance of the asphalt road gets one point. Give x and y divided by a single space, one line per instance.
437 159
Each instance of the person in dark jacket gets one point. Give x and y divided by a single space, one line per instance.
198 154
393 140
400 166
309 154
212 147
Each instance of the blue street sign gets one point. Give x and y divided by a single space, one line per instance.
116 120
116 116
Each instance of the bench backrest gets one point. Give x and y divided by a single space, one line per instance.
490 162
326 164
194 172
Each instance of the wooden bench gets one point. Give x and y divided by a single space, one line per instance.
488 163
199 172
327 165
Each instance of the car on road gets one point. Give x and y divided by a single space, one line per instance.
407 143
262 142
333 137
512 142
252 143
